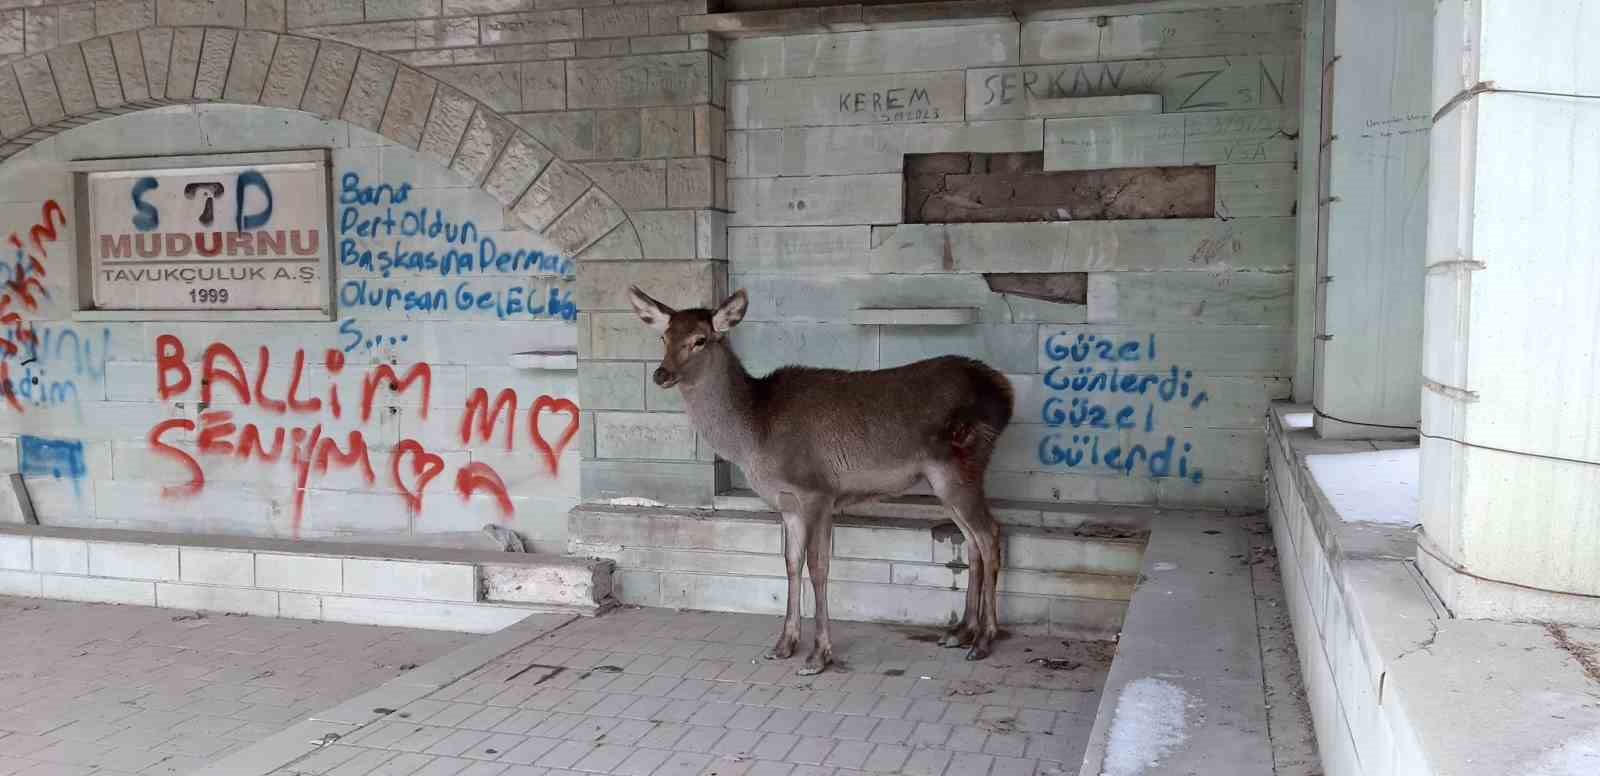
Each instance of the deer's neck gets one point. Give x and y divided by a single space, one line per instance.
721 404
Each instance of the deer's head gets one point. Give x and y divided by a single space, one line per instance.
687 335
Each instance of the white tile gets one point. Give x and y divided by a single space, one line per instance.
106 591
23 583
409 579
217 599
60 556
16 553
217 567
133 561
297 572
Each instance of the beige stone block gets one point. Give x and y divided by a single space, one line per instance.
589 219
827 201
440 33
1190 84
711 234
13 111
130 66
41 29
200 13
1239 137
75 23
642 81
710 132
571 134
113 16
1060 40
252 60
612 47
519 165
102 66
845 100
1274 29
330 79
882 147
544 86
447 123
291 67
689 183
660 44
667 132
212 71
499 86
407 111
309 13
534 27
268 15
1114 141
475 7
617 134
369 91
604 286
922 49
1256 190
401 9
13 32
616 21
620 244
652 435
665 234
155 47
72 80
553 192
485 136
377 36
640 185
826 250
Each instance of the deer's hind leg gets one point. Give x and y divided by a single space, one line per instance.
971 507
818 555
963 633
796 537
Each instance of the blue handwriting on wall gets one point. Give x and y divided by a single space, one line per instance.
384 232
54 458
1105 393
51 363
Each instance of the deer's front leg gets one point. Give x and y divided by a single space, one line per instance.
821 551
794 558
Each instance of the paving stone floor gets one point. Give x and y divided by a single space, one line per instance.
662 693
101 689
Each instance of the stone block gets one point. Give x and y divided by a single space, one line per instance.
401 9
1007 347
481 143
1256 190
309 13
1274 29
155 46
114 16
1238 350
666 234
369 91
613 47
72 80
499 86
21 583
133 561
570 134
687 483
204 598
271 15
558 583
882 543
299 572
544 86
819 250
711 234
1117 141
1230 84
16 552
616 133
200 13
13 110
475 7
13 32
640 81
551 194
1108 105
882 148
447 123
1060 40
252 60
38 90
667 131
520 163
217 567
612 385
407 109
642 435
1085 246
411 579
292 60
640 185
129 66
420 614
767 346
760 595
835 200
330 79
373 36
710 132
103 78
663 399
833 101
621 335
75 23
875 51
620 244
604 286
616 21
101 591
41 29
691 183
1196 297
211 73
588 220
60 556
535 27
660 44
633 588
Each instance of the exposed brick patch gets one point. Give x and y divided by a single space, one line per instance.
967 188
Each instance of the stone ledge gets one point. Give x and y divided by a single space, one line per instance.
850 17
1392 678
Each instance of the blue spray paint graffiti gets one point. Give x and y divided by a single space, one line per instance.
1100 388
356 338
427 241
54 458
54 361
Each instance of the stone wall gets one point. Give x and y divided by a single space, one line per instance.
820 128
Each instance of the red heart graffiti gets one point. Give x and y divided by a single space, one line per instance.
552 453
424 466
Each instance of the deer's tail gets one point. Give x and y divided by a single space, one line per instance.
981 419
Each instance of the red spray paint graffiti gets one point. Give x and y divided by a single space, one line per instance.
312 452
24 287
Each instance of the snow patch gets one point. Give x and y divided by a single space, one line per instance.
1383 486
630 501
1579 756
1149 724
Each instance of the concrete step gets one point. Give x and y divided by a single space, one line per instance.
1184 695
884 569
1108 520
424 587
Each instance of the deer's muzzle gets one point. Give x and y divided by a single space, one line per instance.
664 378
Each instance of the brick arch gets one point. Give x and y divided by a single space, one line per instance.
79 83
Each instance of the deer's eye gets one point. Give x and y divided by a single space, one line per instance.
700 341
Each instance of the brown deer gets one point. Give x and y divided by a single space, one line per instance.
812 441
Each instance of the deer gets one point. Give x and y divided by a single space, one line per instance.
813 441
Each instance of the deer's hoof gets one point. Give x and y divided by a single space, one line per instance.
815 664
783 651
978 652
957 638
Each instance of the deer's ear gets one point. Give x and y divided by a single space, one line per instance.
731 312
653 313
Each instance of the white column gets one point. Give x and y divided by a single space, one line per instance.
1511 361
1372 218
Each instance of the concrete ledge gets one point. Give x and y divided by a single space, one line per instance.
466 590
1066 581
850 17
1396 685
914 316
